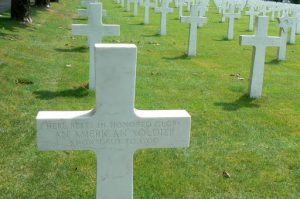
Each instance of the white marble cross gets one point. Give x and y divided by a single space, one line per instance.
122 3
285 23
180 7
224 9
135 7
85 12
146 5
251 13
87 2
296 14
114 130
293 30
259 41
231 15
194 20
95 30
164 10
128 5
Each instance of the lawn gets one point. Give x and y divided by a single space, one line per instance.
44 67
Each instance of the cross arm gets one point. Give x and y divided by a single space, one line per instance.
55 128
80 29
82 12
247 40
170 10
164 128
110 30
273 41
157 9
185 19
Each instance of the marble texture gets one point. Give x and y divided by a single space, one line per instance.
194 20
164 10
94 30
114 130
231 15
251 13
260 41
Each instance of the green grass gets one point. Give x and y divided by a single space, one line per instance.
256 141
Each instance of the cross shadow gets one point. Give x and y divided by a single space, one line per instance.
154 35
223 39
243 101
80 18
10 25
273 62
75 92
80 49
184 56
137 24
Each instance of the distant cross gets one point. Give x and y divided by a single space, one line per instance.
285 23
293 30
231 15
273 9
202 12
259 41
85 12
188 6
146 5
164 10
135 7
297 15
114 130
180 7
87 2
264 9
95 30
154 4
251 13
128 5
224 9
194 20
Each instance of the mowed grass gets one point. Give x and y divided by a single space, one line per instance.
44 67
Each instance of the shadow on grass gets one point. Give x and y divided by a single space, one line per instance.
80 18
223 39
75 92
11 25
80 49
243 102
273 62
154 35
183 57
136 24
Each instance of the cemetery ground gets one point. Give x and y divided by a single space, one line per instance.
44 67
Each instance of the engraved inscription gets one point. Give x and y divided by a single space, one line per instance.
87 133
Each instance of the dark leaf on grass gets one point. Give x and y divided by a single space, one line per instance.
226 174
23 81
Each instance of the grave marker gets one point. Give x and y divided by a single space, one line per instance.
285 23
194 20
259 41
251 13
135 7
231 15
164 10
87 2
95 30
114 130
146 15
